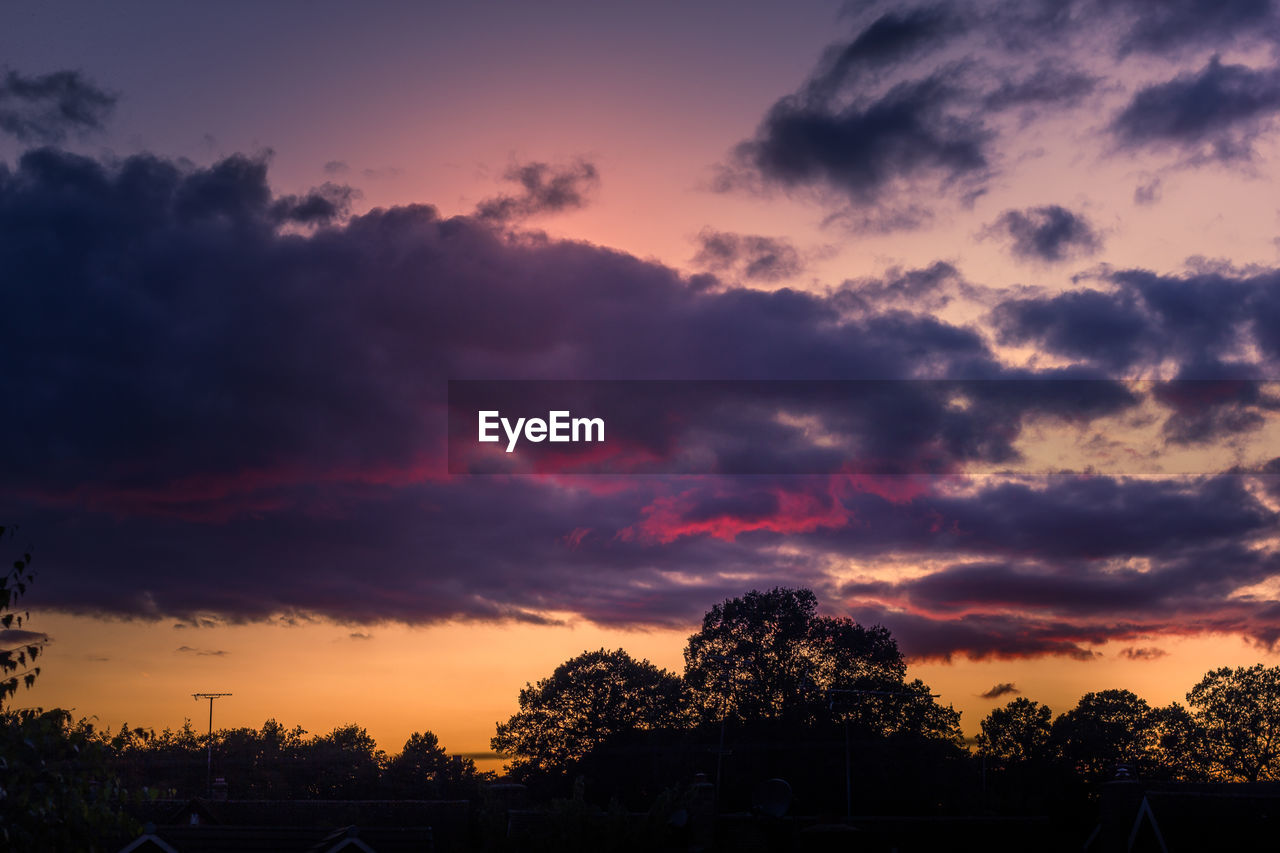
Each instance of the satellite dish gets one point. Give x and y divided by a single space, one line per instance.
772 797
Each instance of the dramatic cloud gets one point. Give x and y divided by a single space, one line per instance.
1004 688
46 108
888 40
931 288
1163 26
912 132
1143 653
1215 113
1048 234
545 189
924 106
1210 325
226 416
749 256
318 207
1049 84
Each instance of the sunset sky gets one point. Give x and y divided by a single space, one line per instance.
246 246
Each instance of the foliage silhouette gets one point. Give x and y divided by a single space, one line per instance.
57 791
1238 714
584 702
424 769
1105 729
19 647
769 656
1016 733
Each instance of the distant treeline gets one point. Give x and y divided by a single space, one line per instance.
825 703
770 689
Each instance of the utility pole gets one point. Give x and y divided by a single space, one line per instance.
209 771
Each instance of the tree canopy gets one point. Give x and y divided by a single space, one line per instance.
583 703
19 647
770 656
1016 733
424 769
1105 729
1238 715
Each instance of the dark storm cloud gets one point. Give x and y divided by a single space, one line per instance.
1048 234
225 415
222 388
544 189
1004 688
45 108
750 256
235 354
1215 113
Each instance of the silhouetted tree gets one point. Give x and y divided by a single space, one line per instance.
345 764
1106 729
56 789
168 763
769 656
1238 712
1016 734
19 647
587 700
424 770
1177 745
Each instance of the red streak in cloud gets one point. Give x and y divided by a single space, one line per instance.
1191 396
574 537
219 497
666 518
